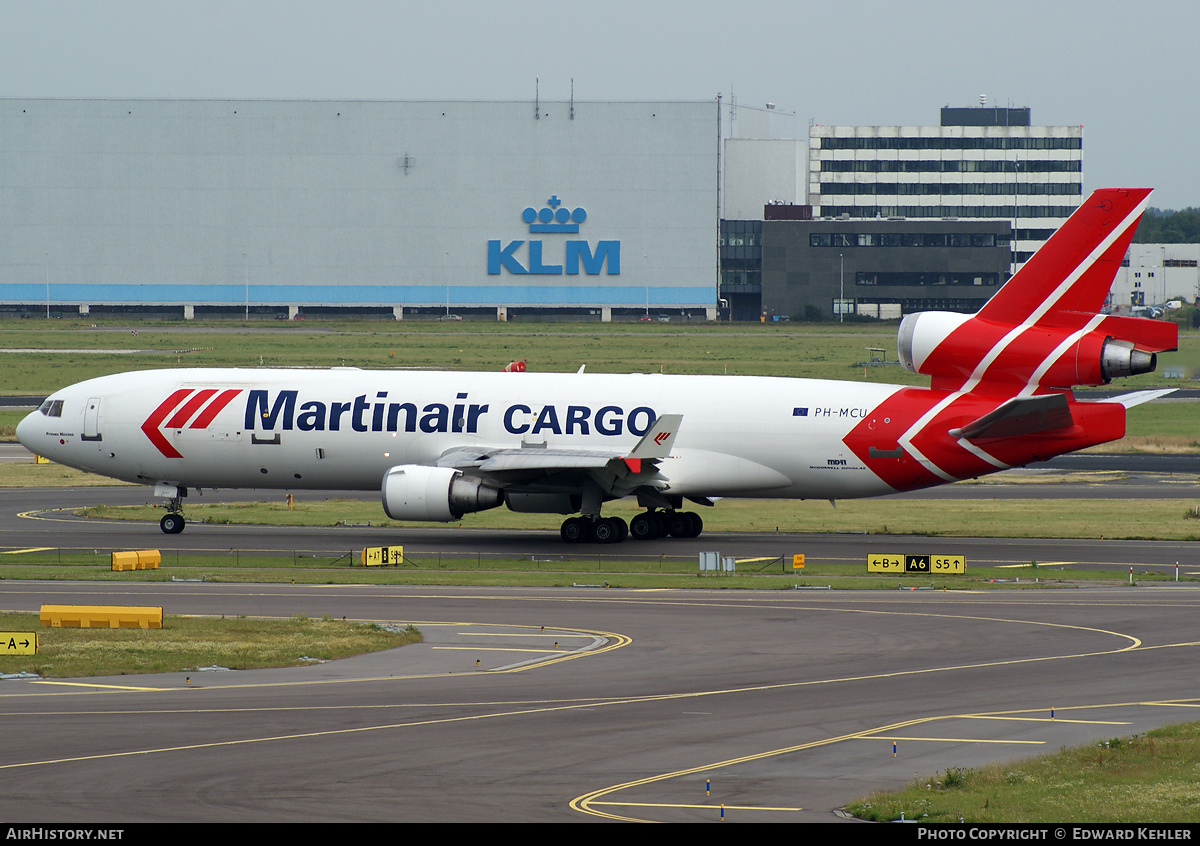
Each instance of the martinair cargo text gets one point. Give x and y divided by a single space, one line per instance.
441 445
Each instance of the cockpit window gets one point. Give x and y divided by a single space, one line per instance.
51 408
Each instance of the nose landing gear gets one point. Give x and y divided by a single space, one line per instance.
172 522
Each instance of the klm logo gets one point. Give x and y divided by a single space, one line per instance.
554 219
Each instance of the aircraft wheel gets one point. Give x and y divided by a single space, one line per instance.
696 525
622 529
574 530
679 523
643 527
605 530
172 524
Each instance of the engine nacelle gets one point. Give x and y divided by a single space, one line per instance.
419 492
953 346
1121 358
920 334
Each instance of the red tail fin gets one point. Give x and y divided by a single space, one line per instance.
1042 330
1075 268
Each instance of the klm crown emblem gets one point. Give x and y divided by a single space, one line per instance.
552 218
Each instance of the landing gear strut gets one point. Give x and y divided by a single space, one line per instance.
172 522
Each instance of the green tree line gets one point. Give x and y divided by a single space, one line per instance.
1165 226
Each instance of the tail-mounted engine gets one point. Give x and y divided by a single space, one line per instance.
1061 350
417 492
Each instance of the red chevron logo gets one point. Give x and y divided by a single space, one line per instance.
200 401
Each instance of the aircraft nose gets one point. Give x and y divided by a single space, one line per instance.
27 431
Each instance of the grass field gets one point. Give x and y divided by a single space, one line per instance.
184 644
1170 519
1145 779
583 569
828 351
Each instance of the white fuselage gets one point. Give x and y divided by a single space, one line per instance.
344 428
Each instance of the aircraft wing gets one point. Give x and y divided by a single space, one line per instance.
506 466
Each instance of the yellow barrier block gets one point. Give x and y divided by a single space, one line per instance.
136 559
102 616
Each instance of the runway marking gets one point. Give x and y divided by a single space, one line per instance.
34 515
586 804
30 549
93 686
617 641
1048 720
716 808
585 705
614 640
950 739
498 649
521 634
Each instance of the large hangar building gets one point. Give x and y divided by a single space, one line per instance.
494 209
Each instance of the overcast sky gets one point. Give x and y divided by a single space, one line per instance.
1126 70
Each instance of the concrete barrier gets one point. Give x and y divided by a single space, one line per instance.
136 559
102 616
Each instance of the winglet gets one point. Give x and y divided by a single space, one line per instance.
656 443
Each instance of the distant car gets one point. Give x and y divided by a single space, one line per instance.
646 319
664 318
450 317
298 317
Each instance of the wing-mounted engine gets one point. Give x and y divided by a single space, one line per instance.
418 492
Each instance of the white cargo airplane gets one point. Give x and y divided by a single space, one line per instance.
441 445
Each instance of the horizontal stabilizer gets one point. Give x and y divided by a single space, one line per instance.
1020 416
1139 397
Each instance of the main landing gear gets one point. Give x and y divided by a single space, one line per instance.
646 526
599 530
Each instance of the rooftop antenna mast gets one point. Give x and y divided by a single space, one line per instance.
537 111
572 117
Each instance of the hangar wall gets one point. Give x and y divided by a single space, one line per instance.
546 205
